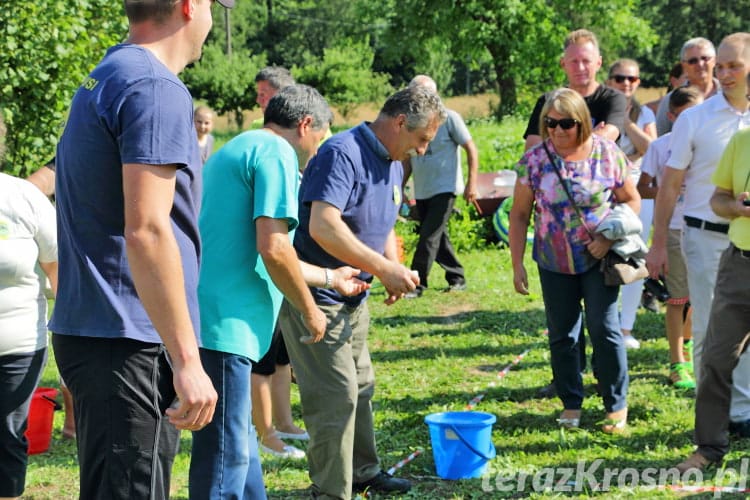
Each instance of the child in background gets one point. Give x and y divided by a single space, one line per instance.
203 117
677 318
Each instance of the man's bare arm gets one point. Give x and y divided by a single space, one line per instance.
155 265
285 270
472 163
44 179
330 231
724 204
666 197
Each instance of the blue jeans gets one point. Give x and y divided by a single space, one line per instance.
225 461
562 304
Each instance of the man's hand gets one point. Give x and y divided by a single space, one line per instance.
607 130
316 323
398 280
656 261
345 281
196 397
470 191
599 246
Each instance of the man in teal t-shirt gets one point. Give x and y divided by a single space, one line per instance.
248 215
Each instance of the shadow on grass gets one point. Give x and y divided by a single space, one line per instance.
525 323
505 354
277 494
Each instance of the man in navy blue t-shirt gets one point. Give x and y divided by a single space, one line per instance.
126 318
349 200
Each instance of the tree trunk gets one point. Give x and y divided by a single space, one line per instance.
505 82
239 119
508 101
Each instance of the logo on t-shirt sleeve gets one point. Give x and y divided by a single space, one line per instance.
396 195
90 83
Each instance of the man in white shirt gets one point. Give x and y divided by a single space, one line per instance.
699 137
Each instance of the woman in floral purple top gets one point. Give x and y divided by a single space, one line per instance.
567 251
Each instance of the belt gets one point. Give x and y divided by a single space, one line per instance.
708 226
744 253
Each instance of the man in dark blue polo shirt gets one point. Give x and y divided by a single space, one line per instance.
349 200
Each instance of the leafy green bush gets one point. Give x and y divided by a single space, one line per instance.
226 83
500 145
466 228
344 75
48 49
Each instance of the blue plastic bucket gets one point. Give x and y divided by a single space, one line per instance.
461 443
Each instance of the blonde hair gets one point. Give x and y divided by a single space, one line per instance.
740 40
568 103
579 37
203 110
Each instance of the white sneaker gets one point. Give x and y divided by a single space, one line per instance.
304 436
289 452
630 342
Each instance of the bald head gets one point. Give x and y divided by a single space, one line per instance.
424 81
733 66
741 41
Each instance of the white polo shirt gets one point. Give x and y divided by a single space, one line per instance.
653 164
699 137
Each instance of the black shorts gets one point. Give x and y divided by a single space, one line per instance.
276 355
121 389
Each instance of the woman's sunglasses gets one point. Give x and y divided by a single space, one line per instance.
565 123
622 78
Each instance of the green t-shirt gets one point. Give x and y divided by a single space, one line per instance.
733 174
253 175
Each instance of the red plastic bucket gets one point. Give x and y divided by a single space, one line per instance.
41 414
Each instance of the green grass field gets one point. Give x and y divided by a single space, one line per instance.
439 352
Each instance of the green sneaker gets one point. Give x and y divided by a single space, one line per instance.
687 353
680 377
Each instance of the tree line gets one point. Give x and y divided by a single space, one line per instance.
353 51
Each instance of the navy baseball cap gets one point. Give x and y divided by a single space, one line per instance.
226 3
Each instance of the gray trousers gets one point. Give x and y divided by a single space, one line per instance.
727 338
336 383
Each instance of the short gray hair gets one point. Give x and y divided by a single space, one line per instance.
278 77
293 103
697 42
424 81
420 105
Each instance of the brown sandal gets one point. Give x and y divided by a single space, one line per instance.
615 422
570 419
